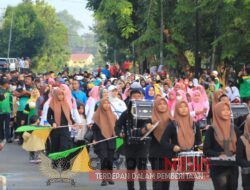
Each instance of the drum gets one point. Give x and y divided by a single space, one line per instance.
217 161
239 110
142 109
191 161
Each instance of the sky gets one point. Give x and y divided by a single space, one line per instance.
75 7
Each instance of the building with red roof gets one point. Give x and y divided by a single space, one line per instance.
81 60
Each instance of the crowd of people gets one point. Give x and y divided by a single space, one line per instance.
186 108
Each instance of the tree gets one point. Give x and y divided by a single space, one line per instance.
75 40
34 35
211 31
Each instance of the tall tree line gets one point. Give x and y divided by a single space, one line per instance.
204 32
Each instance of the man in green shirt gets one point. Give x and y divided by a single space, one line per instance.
5 110
23 94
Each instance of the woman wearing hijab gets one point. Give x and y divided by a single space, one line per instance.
118 106
92 100
157 153
198 107
181 95
214 100
30 108
104 94
183 135
243 154
220 141
59 115
104 128
203 95
72 103
150 92
177 86
172 101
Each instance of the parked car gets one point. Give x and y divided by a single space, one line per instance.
4 66
8 64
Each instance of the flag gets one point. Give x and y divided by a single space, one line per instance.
81 162
27 128
42 134
64 154
119 143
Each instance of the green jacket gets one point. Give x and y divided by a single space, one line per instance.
6 103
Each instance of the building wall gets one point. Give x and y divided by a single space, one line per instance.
81 63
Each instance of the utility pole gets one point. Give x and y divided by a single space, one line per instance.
115 56
10 34
162 30
197 42
134 66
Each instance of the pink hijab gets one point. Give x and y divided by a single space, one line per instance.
203 92
67 92
177 85
94 93
124 95
183 94
197 106
171 103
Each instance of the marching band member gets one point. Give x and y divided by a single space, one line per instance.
103 128
157 154
220 141
59 115
182 136
135 153
243 154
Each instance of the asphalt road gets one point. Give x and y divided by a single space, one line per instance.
21 175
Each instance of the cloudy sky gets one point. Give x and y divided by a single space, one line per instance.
74 7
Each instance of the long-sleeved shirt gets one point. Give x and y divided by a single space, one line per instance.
241 156
80 96
169 139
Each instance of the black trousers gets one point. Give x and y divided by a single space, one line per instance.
158 164
60 140
246 181
186 185
106 155
136 158
5 126
225 177
19 117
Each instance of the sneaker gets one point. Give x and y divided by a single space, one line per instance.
37 161
111 183
104 183
16 140
32 161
